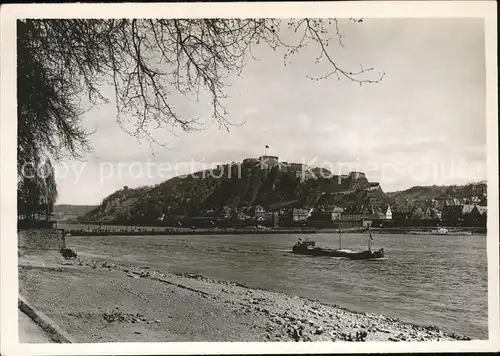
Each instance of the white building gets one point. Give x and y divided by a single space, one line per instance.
388 213
336 212
299 214
259 212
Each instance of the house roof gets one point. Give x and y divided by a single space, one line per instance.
255 208
482 209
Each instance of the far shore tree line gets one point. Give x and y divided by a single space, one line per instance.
36 191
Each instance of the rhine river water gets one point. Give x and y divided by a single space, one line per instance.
428 280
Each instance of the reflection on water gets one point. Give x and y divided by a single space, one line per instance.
438 280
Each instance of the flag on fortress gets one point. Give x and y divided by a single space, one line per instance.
267 146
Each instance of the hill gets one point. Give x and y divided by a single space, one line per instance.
63 212
237 186
241 186
423 193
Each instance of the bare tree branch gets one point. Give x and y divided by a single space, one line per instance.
149 63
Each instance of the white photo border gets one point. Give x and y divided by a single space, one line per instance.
388 9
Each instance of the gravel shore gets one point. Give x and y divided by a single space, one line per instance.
101 301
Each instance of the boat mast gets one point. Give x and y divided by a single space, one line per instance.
369 239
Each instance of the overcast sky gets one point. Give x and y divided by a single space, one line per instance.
423 124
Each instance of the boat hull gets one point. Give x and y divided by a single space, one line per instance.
460 233
353 255
454 233
441 233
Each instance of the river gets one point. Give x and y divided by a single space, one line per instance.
428 280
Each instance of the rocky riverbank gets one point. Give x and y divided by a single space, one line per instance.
102 301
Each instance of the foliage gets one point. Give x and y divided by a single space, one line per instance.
48 103
37 191
424 194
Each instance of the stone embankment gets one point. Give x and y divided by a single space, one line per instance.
175 232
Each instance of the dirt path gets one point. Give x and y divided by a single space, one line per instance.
30 332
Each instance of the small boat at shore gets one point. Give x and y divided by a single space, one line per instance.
445 231
307 247
441 232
